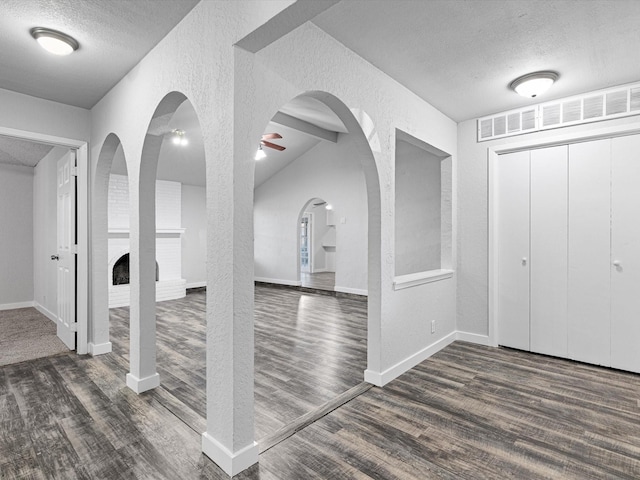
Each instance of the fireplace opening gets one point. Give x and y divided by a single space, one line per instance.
121 271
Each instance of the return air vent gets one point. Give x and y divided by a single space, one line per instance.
590 107
506 124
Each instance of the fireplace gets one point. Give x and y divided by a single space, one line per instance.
121 271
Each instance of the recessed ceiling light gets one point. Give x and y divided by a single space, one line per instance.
54 42
533 84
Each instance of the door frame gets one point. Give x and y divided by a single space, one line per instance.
309 216
492 160
82 213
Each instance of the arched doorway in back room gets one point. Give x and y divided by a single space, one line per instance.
317 245
316 186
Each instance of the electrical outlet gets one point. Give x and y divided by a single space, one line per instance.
433 326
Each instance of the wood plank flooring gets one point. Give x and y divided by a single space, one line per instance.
320 280
468 412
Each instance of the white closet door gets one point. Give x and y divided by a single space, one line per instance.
625 253
589 252
549 250
512 211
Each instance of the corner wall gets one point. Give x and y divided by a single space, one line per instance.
16 239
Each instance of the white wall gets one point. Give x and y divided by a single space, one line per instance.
332 172
473 211
194 239
16 237
417 210
45 232
323 259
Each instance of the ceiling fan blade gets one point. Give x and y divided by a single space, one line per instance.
271 136
272 145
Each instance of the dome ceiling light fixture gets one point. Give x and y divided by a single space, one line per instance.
54 41
533 84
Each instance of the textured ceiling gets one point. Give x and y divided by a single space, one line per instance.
114 35
461 55
14 151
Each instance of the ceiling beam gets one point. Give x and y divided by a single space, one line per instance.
284 22
305 127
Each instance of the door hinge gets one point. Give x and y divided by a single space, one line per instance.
73 326
74 171
74 249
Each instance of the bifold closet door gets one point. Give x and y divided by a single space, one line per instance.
549 250
512 210
625 253
589 251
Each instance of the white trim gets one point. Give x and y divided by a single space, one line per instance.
353 291
381 379
12 306
46 312
99 348
140 385
279 281
319 270
420 278
474 338
492 158
196 284
231 463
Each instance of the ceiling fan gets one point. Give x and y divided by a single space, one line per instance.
271 136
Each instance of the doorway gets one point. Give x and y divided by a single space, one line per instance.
49 252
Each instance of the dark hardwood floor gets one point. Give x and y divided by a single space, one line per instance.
468 412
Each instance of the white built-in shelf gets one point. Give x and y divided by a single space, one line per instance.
420 278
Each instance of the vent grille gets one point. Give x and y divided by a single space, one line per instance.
591 107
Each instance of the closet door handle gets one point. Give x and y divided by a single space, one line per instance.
524 261
617 264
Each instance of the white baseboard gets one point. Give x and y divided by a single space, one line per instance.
196 285
279 281
140 385
231 463
46 312
473 338
380 379
320 270
11 306
354 291
99 348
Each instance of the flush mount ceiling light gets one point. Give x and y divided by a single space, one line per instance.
260 154
54 42
178 137
533 84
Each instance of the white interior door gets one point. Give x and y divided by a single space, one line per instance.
512 212
66 255
589 252
549 250
625 253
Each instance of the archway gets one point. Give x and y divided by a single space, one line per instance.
317 245
172 162
334 160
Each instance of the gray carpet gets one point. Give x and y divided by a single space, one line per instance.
26 334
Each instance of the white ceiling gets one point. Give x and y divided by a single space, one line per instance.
114 35
461 55
14 151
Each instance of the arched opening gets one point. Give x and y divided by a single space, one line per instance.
171 233
327 158
110 235
317 244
